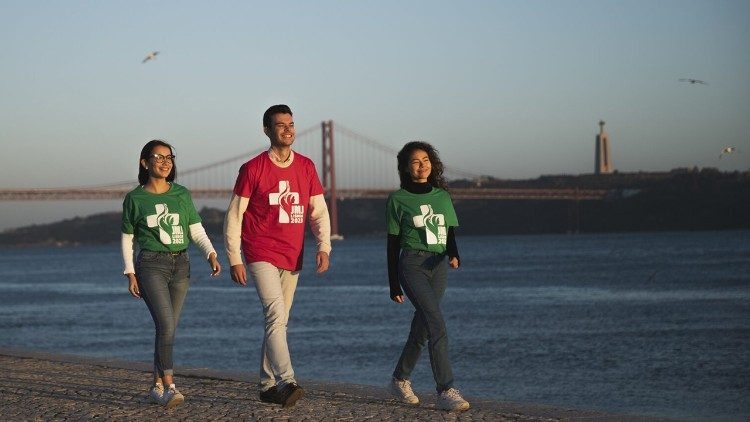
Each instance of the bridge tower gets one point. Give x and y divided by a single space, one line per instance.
603 160
329 176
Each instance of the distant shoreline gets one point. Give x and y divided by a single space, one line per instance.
680 200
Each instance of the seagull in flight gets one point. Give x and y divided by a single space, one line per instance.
727 151
150 56
693 81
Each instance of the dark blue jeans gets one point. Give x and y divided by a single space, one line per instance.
423 277
163 279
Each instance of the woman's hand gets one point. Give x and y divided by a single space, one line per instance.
453 262
214 263
398 298
133 286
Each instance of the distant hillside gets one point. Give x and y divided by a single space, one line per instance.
90 230
682 199
677 179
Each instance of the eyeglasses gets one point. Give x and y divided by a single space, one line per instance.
160 158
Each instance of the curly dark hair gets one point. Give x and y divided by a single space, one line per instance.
146 154
436 174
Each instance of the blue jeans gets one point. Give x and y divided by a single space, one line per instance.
423 277
163 279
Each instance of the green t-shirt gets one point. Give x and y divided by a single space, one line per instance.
422 220
160 222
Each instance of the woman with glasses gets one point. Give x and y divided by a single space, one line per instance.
160 216
421 218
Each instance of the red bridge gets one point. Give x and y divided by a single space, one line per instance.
354 167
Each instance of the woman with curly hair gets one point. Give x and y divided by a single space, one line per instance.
421 246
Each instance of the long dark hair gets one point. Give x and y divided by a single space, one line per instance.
146 154
436 174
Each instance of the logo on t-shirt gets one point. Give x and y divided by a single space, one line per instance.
434 225
290 211
170 231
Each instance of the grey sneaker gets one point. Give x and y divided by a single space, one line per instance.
451 399
154 395
401 389
171 398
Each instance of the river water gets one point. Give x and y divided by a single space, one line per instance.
645 323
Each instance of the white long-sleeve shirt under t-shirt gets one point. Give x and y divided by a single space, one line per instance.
197 235
319 218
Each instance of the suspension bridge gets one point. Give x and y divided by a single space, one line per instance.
351 166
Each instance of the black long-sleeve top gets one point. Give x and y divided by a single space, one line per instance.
394 243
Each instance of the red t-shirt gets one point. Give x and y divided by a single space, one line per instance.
273 226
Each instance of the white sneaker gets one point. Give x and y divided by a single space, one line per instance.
451 399
171 397
401 389
154 395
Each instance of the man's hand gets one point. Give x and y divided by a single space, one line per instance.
322 262
239 274
453 262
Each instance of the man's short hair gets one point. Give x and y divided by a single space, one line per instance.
273 110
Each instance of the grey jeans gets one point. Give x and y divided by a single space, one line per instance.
423 277
275 287
163 279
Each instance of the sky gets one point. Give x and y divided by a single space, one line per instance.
510 89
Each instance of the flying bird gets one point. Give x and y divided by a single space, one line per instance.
693 81
150 56
727 151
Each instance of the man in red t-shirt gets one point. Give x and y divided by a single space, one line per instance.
274 194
